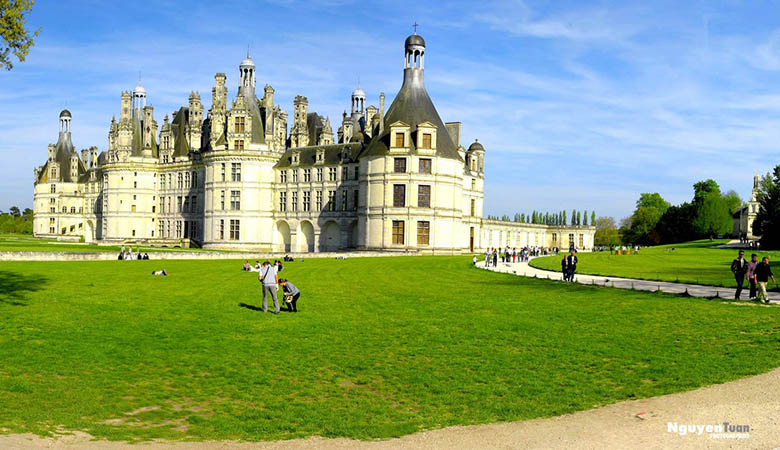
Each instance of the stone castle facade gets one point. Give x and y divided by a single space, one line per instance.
233 177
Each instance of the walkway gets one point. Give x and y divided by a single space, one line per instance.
695 290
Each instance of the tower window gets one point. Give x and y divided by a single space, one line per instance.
235 171
399 195
399 139
424 196
235 228
398 232
238 144
399 165
426 143
239 125
425 165
423 233
53 188
235 200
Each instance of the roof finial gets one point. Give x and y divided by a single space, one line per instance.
247 50
415 26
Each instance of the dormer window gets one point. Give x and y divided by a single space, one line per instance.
399 139
426 140
426 137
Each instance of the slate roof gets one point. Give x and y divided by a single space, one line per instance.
63 151
333 154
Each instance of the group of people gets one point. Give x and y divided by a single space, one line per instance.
758 275
128 255
268 275
507 255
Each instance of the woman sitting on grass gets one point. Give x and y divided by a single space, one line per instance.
160 273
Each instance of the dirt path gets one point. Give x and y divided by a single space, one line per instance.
640 424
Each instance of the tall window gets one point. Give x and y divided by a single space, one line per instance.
399 195
283 176
332 174
235 200
426 143
239 125
307 200
424 196
193 204
398 232
238 144
423 233
582 241
399 165
357 173
178 228
161 226
344 174
294 201
473 184
222 229
319 201
179 179
344 200
223 171
53 188
425 165
473 207
235 228
222 200
194 179
235 171
399 139
306 175
186 180
319 174
186 207
283 201
178 205
331 200
571 240
295 175
355 195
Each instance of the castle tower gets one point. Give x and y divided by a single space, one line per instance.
195 121
218 111
299 135
126 106
65 118
246 73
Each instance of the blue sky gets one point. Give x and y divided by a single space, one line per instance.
579 104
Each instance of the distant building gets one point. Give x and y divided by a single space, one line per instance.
235 178
745 216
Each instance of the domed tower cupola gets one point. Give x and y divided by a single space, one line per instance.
415 52
139 99
358 101
246 76
65 121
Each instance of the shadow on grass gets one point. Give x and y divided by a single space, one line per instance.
252 307
14 287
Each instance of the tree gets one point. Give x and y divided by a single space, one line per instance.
712 215
767 222
676 224
593 218
563 215
606 232
14 38
15 211
573 217
585 218
522 218
733 202
649 209
702 188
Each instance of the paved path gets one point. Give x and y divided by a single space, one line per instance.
695 290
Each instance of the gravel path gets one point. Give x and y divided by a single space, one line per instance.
640 424
695 290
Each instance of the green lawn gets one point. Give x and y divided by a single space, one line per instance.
691 262
381 347
27 243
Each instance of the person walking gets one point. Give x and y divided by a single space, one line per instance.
487 257
291 294
739 269
751 275
270 279
495 257
763 274
571 264
564 269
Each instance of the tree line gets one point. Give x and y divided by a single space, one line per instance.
16 221
577 218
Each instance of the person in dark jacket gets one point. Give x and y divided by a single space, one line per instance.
763 273
571 264
751 276
739 268
291 295
564 269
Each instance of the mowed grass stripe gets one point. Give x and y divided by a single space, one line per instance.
382 347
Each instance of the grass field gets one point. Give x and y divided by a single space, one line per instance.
692 262
27 243
381 347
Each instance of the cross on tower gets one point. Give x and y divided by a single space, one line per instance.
415 26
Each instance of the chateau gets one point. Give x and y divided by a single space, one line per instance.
236 178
